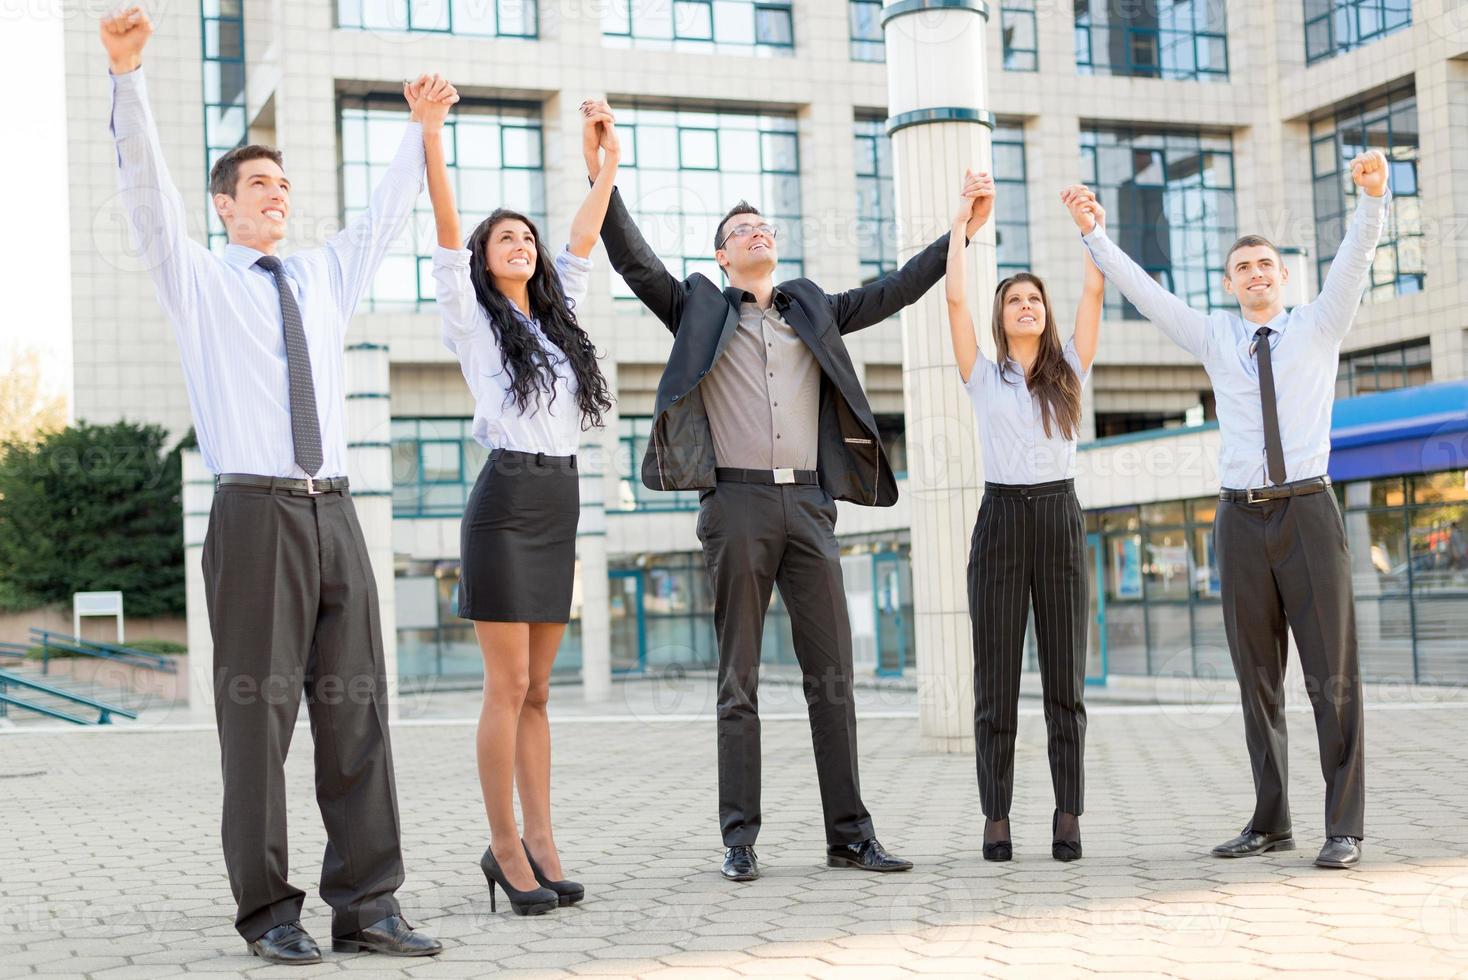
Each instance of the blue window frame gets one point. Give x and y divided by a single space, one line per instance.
1185 40
633 433
1387 123
1333 27
1017 27
682 170
476 18
1169 199
749 27
868 43
495 159
435 463
222 23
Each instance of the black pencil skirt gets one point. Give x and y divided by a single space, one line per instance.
518 539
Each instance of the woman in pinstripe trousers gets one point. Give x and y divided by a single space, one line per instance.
1029 542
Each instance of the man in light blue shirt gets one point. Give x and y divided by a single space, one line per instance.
291 596
1279 536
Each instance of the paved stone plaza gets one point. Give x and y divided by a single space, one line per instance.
112 866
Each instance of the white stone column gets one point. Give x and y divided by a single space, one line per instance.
198 496
369 468
937 88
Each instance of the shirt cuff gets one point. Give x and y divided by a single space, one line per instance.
574 260
1373 206
451 258
1095 234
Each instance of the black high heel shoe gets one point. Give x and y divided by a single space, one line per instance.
569 892
1062 850
999 850
536 901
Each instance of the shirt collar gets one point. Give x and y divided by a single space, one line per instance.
241 256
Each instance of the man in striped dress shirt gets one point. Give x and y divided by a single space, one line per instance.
291 598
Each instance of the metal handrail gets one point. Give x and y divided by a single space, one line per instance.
6 700
106 711
49 640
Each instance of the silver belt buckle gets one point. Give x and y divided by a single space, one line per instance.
1249 496
784 475
311 490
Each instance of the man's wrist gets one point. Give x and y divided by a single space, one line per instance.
122 66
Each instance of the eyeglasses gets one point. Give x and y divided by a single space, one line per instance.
744 231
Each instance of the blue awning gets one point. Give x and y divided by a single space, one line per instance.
1410 430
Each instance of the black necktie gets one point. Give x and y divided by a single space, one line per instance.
305 428
1273 447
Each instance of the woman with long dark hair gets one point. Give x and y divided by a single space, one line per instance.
1029 542
510 312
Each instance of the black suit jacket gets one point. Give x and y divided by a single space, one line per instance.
702 317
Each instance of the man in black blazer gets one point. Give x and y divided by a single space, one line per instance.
761 411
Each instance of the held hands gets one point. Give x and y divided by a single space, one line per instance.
975 202
599 140
429 98
123 35
1084 208
1369 171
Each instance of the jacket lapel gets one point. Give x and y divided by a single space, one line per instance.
794 315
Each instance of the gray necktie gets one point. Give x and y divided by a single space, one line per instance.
1273 445
305 428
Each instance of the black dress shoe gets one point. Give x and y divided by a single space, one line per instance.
1062 850
1339 852
1252 842
740 863
997 850
391 936
868 855
569 892
287 944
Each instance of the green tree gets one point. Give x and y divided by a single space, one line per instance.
91 508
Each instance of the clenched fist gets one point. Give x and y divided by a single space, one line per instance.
123 35
1369 172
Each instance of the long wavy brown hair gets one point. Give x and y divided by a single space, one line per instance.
1051 378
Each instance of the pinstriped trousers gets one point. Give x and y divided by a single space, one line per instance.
1029 549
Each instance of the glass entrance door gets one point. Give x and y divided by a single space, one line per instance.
1096 606
629 630
892 581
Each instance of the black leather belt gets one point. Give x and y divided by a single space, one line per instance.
1030 490
1260 494
733 474
282 484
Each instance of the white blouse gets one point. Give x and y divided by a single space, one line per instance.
550 428
1011 433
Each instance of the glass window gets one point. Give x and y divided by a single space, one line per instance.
1166 570
1450 486
687 167
1439 548
1336 26
1169 198
633 434
867 41
1185 40
1384 368
760 27
492 18
1387 123
224 96
1017 25
435 464
494 158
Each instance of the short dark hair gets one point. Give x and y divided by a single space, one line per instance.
1248 241
743 207
224 176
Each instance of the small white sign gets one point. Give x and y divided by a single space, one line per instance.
95 604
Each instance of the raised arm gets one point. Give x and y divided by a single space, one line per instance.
1093 293
599 127
1335 307
440 188
151 204
357 251
1185 326
960 323
876 301
628 251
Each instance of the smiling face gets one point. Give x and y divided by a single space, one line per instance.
749 246
1255 276
1023 306
510 252
255 214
